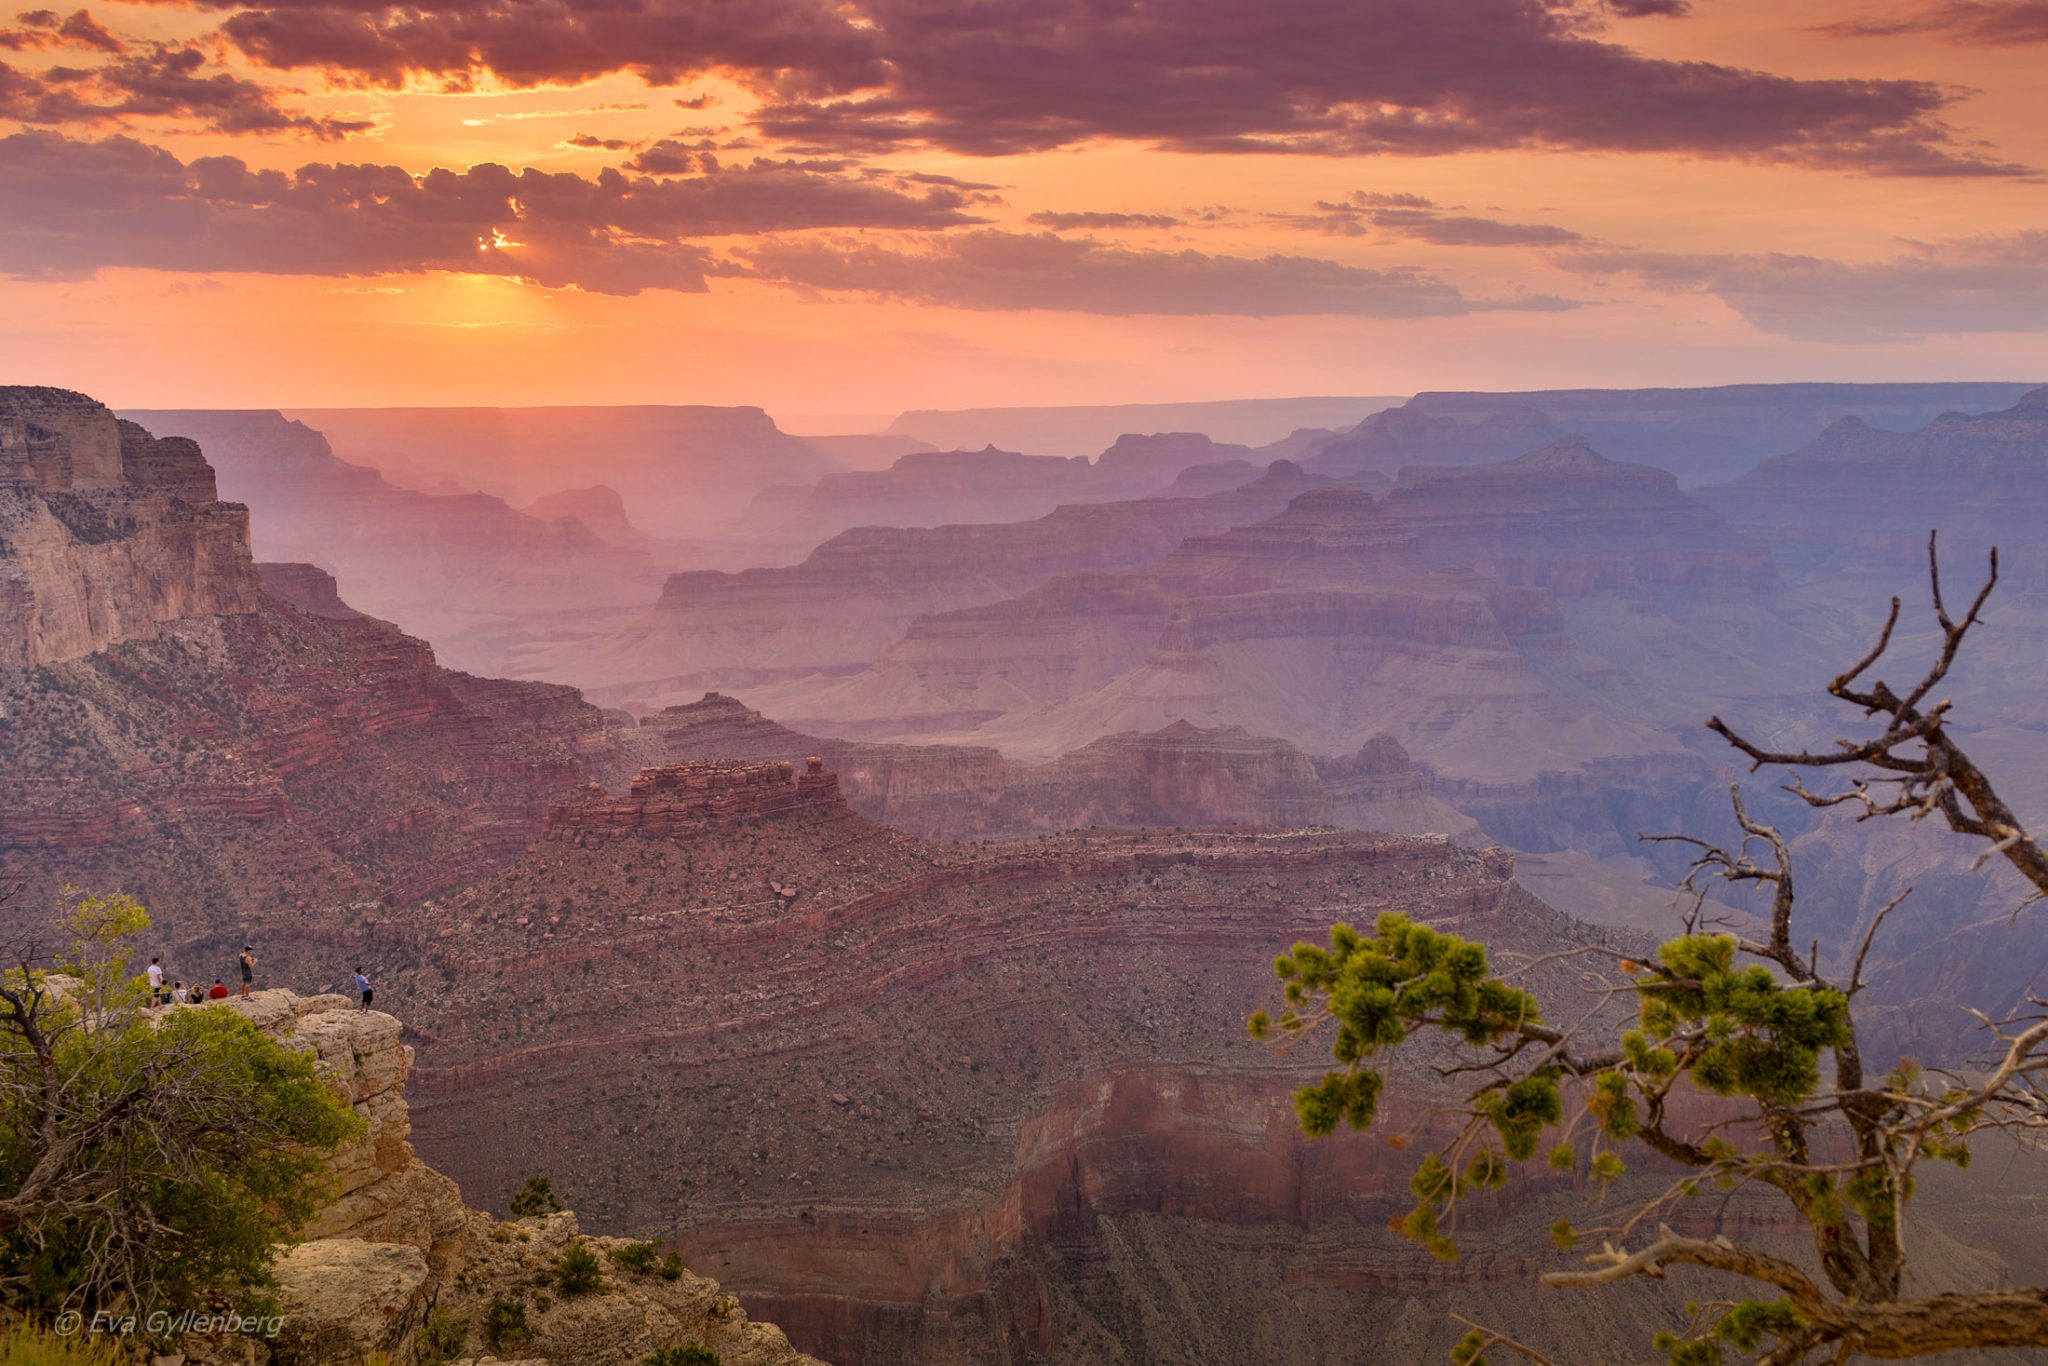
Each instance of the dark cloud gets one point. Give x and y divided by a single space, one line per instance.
596 143
1332 77
1641 9
165 81
42 28
1067 222
1414 217
1990 284
1973 22
74 207
670 156
990 269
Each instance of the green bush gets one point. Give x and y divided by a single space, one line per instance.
200 1128
537 1196
578 1272
672 1267
441 1340
689 1354
639 1258
505 1324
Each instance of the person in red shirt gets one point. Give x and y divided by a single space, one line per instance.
218 992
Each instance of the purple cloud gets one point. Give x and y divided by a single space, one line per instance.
1413 217
1069 222
2010 23
1327 77
166 81
74 207
43 28
1990 284
671 156
990 269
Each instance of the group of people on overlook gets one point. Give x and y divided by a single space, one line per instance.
177 993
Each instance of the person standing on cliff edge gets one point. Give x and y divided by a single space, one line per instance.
363 986
248 968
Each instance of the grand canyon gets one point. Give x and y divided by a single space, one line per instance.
917 1019
1031 683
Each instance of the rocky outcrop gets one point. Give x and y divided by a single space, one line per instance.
1181 775
306 587
397 1247
599 509
708 794
106 533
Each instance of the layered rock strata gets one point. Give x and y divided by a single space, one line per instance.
106 533
1181 775
214 736
880 1084
855 594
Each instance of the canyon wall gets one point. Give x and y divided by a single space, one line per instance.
106 533
904 1096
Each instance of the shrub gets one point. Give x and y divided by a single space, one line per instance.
638 1258
441 1339
505 1324
689 1354
537 1196
578 1272
130 1137
672 1267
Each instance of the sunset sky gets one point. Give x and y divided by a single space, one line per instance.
852 208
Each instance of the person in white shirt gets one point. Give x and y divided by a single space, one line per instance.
157 994
180 995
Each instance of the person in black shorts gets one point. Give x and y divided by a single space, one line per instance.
363 986
248 968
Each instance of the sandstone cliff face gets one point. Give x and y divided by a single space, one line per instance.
105 532
397 1244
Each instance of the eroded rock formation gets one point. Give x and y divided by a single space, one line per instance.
1181 775
106 533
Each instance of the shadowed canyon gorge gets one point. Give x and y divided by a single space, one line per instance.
859 876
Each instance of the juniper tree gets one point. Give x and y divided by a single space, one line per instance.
1764 1027
145 1162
